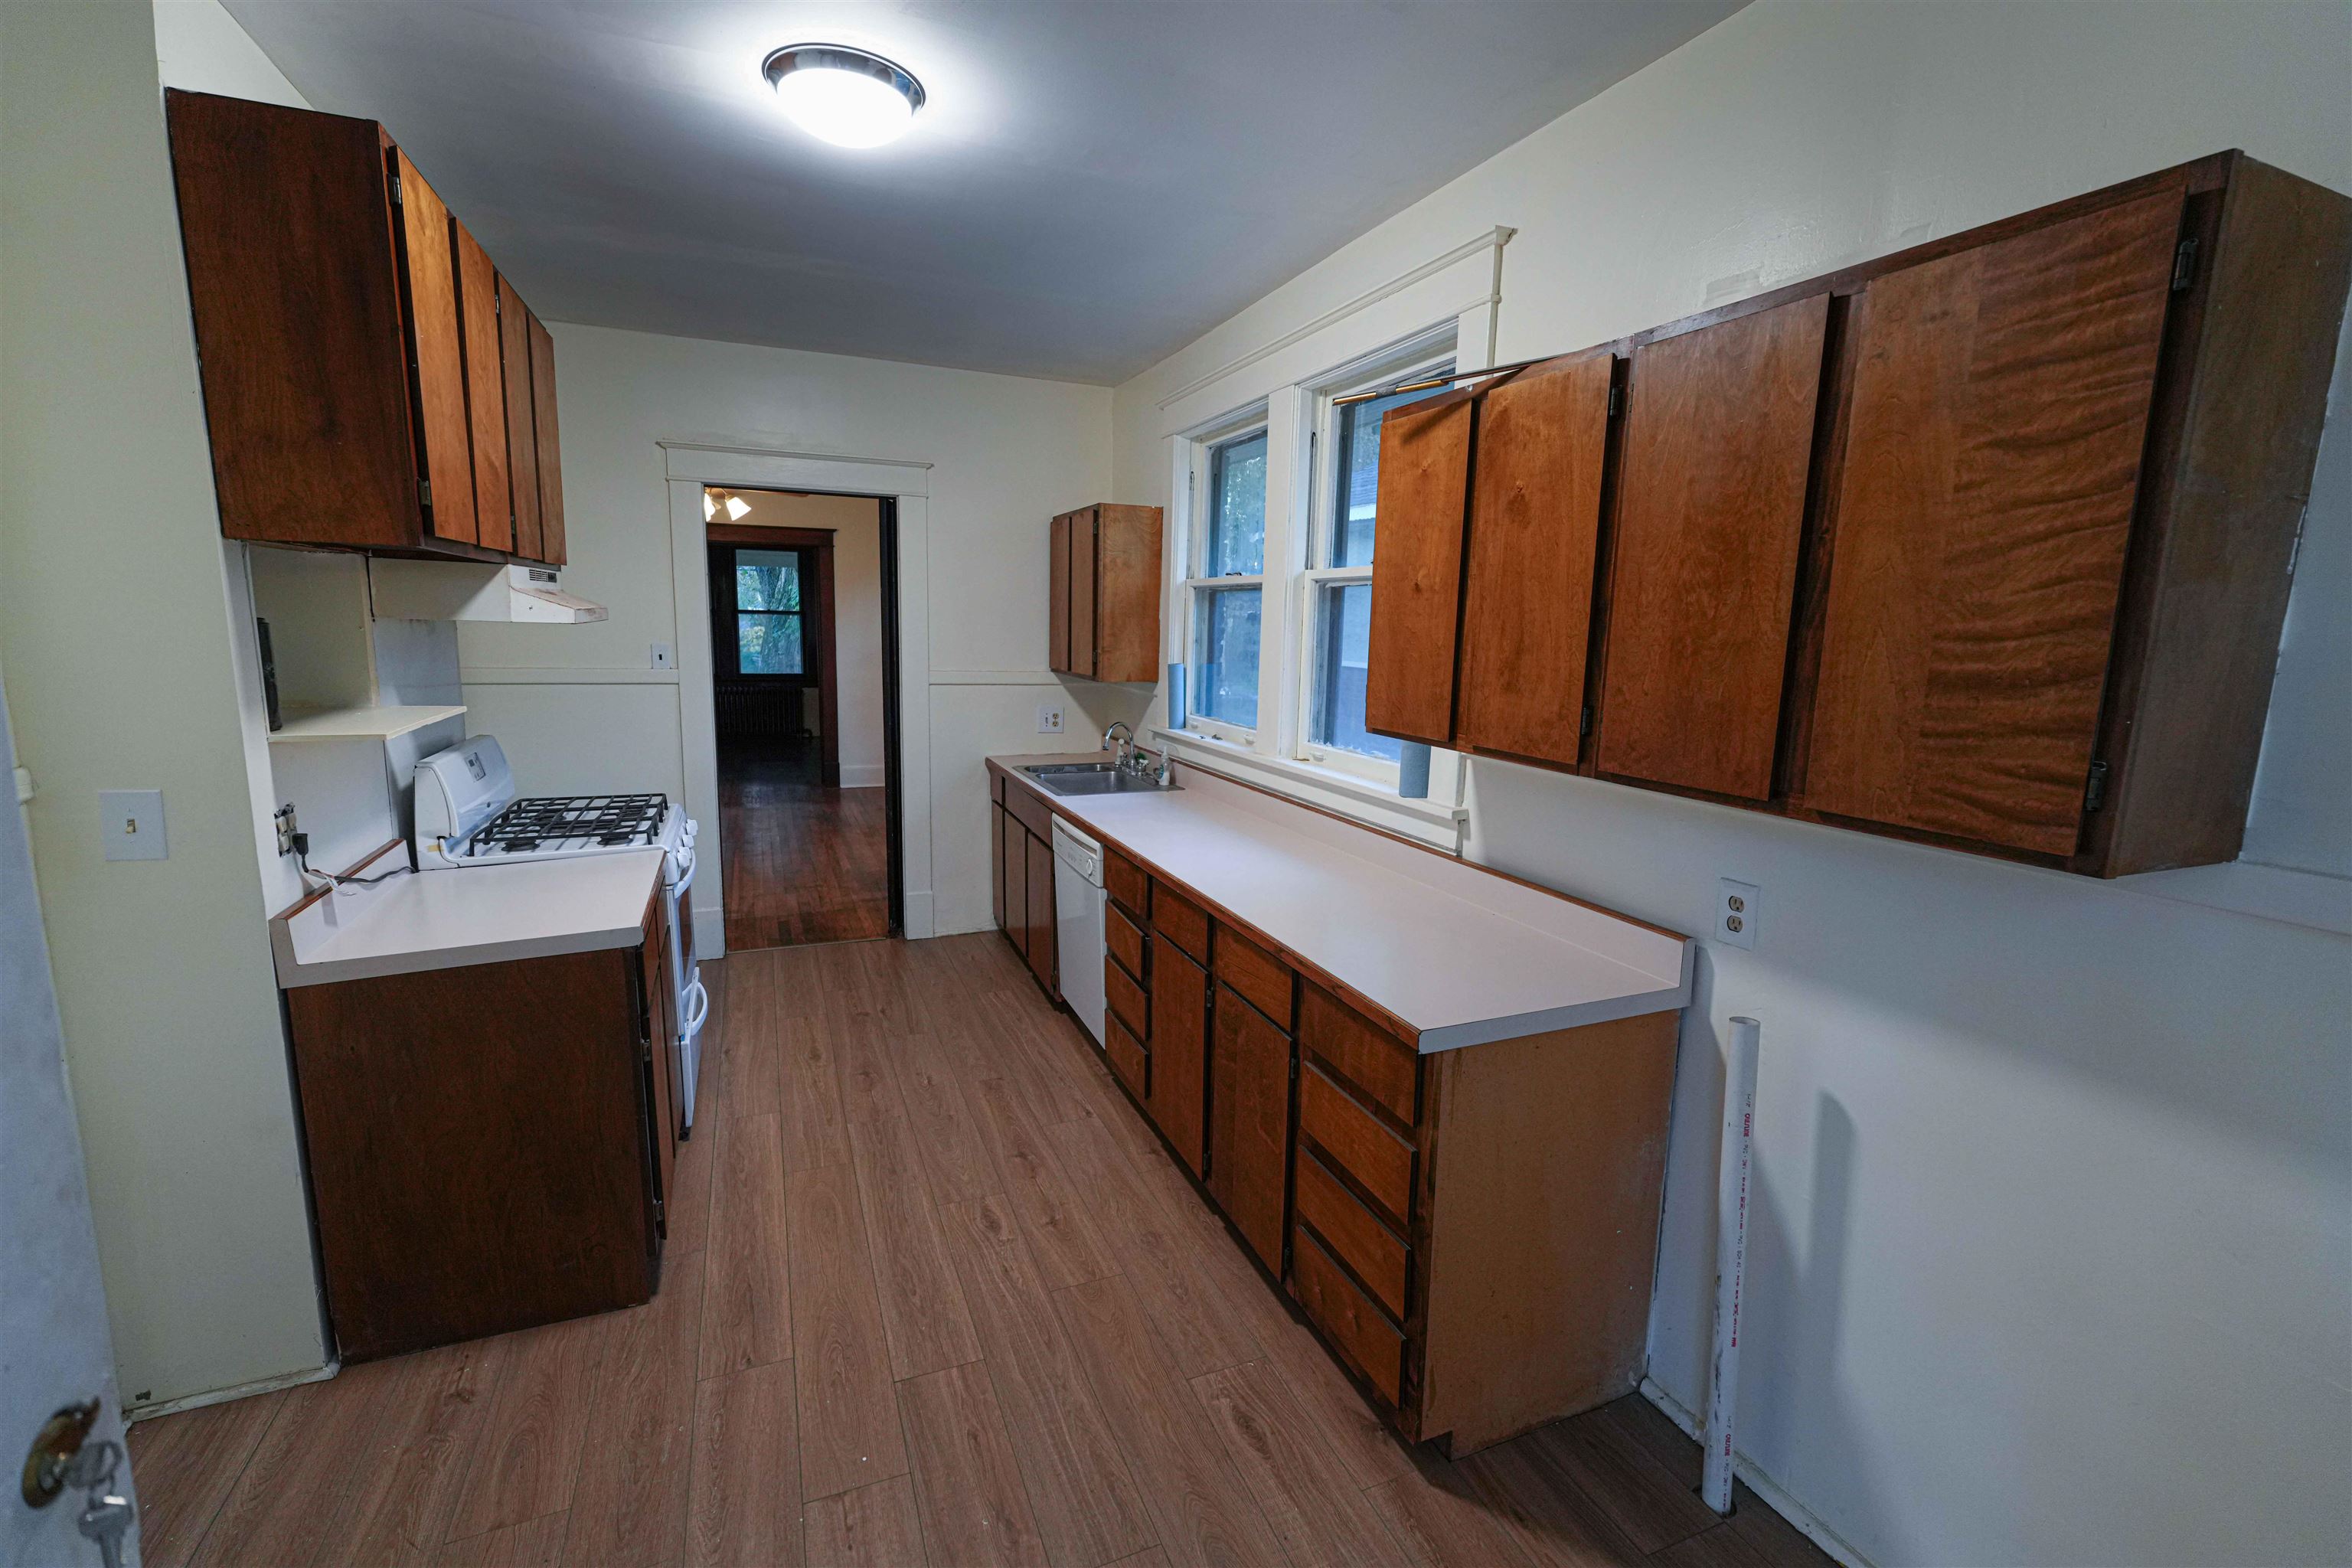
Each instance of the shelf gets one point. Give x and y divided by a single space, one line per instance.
358 723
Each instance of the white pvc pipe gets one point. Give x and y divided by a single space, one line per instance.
1731 1258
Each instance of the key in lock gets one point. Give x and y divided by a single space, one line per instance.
62 1455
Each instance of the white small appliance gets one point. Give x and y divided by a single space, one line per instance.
1078 923
466 814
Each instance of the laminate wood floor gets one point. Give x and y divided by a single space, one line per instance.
934 1295
802 863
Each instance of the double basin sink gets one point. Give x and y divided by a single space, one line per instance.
1095 778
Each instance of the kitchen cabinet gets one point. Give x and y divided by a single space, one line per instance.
488 1146
1703 573
1985 543
1102 593
1471 1232
359 353
1177 1100
1021 859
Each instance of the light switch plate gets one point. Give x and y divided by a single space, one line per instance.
1738 906
1049 718
130 824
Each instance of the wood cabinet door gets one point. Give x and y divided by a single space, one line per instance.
996 863
1127 593
439 350
1042 945
551 449
1083 595
1180 1043
1057 595
1013 851
1992 458
1417 569
1703 570
1249 1140
522 433
485 393
1543 439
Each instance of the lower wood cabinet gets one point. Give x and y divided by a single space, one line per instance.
1021 868
488 1146
1470 1233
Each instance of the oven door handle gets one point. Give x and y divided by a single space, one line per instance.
698 1010
685 878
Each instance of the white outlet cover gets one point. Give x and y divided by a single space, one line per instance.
130 824
1049 718
1738 906
663 658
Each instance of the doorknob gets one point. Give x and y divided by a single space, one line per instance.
61 1457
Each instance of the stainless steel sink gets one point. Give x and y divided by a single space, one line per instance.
1093 778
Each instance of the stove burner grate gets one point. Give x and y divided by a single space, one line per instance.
604 821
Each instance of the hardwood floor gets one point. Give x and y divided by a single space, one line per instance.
802 863
934 1295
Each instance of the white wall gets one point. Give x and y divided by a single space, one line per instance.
2054 1251
124 628
856 523
581 707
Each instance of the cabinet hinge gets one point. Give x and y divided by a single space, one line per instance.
395 190
1584 720
1616 401
424 492
2094 793
2184 265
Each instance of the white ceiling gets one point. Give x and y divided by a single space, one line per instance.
1093 184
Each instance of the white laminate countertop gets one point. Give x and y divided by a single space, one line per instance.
446 919
1456 953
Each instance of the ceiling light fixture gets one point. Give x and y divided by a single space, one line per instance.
851 98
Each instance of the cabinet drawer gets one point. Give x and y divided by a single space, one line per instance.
1353 1232
1127 1001
1128 885
1371 1058
1181 921
1125 940
1347 1316
1129 1060
1261 978
1033 812
1356 1142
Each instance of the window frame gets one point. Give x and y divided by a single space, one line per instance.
1195 585
1396 364
728 651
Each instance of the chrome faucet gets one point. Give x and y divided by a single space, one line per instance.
1119 741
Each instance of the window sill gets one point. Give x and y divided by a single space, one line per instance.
1327 789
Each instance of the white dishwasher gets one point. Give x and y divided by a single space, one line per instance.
1078 923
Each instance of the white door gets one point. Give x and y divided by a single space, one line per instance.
55 1353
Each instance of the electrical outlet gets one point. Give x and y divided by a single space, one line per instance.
130 824
1049 718
1738 906
284 819
663 658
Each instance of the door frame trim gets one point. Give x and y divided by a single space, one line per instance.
906 486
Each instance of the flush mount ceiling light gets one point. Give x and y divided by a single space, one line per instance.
851 98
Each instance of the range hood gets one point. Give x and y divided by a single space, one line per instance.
402 590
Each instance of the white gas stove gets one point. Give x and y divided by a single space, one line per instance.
467 816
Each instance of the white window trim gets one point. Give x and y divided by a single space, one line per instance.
1391 364
1193 452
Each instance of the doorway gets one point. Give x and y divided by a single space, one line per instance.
804 702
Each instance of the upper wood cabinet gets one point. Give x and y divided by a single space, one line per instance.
1719 440
1985 543
1102 593
359 359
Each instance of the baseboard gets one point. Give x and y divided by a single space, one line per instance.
1762 1484
156 1407
861 775
920 918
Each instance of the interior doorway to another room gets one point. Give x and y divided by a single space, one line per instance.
805 702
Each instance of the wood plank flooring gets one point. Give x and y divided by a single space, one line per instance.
936 1295
801 863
